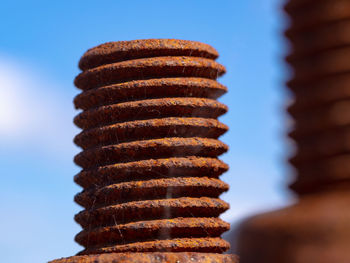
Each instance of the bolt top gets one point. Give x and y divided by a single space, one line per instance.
112 52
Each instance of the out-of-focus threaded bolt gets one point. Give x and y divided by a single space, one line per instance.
317 228
150 147
321 108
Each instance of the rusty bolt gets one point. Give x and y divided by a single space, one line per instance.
316 228
150 153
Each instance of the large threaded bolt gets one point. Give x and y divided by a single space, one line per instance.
150 147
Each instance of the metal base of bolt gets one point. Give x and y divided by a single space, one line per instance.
151 257
316 229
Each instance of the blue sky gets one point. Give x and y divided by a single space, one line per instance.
41 43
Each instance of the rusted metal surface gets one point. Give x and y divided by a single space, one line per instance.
112 52
146 68
156 257
149 88
316 228
149 149
148 129
149 109
137 231
151 209
203 244
189 166
151 189
150 153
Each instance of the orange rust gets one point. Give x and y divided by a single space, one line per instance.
148 109
206 245
151 189
161 228
125 50
155 257
151 128
147 149
149 88
151 209
190 166
150 153
146 68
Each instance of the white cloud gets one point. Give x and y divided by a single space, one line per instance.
11 100
34 110
36 126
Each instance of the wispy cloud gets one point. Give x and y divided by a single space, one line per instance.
34 110
36 150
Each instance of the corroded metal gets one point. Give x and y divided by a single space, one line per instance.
126 50
158 67
316 228
150 153
155 257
